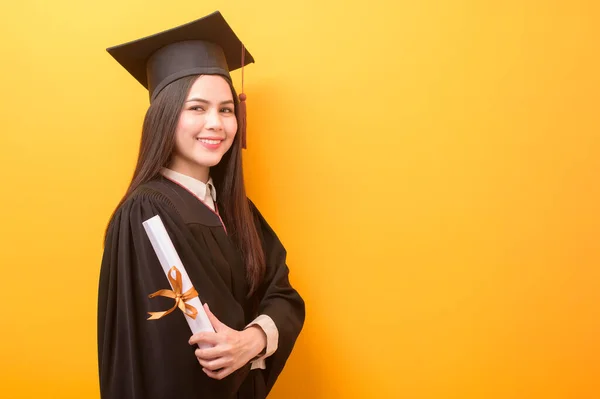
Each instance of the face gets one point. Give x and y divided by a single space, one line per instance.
206 128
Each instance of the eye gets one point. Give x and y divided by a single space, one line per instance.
227 110
197 108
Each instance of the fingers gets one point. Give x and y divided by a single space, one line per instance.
222 331
209 353
216 323
206 337
222 349
215 364
218 375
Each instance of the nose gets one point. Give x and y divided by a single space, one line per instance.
213 120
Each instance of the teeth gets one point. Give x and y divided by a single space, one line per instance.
209 141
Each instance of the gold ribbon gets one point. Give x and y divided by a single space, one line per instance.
180 299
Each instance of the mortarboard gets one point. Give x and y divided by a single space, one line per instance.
205 46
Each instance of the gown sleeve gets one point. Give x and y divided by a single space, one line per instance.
139 358
279 300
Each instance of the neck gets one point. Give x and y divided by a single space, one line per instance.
198 172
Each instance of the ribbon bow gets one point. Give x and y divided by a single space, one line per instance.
176 294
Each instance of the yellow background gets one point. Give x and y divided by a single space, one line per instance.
431 166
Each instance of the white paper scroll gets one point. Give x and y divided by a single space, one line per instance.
168 257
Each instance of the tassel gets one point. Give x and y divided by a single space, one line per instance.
241 117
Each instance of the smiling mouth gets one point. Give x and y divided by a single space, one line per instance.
210 141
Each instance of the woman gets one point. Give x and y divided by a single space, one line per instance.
189 172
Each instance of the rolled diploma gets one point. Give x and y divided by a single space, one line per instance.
168 257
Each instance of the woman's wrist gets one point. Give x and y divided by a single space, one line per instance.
257 340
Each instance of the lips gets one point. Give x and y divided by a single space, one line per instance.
209 141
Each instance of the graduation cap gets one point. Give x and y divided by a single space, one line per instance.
206 46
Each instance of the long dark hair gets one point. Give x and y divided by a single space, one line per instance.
156 149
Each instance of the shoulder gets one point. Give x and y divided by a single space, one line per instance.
151 192
258 216
265 229
144 202
147 195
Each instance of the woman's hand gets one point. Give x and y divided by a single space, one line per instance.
231 349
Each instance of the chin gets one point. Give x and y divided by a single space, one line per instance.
208 162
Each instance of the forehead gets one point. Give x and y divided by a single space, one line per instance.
211 87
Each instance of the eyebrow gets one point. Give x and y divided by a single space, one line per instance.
201 100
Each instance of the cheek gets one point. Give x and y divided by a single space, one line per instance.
182 135
187 124
232 126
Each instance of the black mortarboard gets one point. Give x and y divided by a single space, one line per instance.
205 46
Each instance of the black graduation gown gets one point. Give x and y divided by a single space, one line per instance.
151 359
